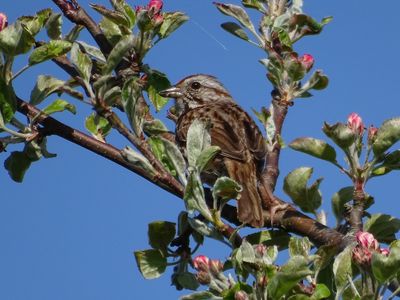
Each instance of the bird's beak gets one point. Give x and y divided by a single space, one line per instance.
172 92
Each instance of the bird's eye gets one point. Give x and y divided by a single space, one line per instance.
195 85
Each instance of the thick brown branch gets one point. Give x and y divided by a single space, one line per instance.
53 127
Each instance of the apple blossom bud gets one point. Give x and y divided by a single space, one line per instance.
155 6
367 240
241 295
201 263
216 266
362 256
355 123
158 19
138 9
384 251
372 131
307 60
203 277
3 21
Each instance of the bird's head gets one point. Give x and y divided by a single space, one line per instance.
197 90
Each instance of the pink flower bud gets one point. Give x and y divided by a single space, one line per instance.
307 60
384 251
3 21
362 256
367 240
155 6
203 277
138 9
216 266
355 123
158 19
241 295
201 263
260 250
372 131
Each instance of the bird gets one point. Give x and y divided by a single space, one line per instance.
242 145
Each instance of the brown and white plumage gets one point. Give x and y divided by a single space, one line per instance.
242 145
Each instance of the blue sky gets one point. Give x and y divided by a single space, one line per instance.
68 232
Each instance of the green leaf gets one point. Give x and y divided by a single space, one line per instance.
326 20
295 69
53 26
161 234
45 86
8 102
299 246
125 44
204 230
131 92
226 188
339 199
288 277
194 195
339 133
151 263
256 4
82 62
187 280
15 39
53 49
388 134
93 51
314 147
383 227
172 21
74 33
342 269
384 267
98 126
203 295
17 164
35 23
111 30
236 30
318 81
295 186
169 155
390 162
154 127
58 106
198 139
138 160
206 156
157 81
113 15
321 292
236 12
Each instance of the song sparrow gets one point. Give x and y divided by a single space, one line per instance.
243 148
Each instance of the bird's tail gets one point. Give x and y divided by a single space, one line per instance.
249 204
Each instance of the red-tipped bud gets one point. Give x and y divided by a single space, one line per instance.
262 281
216 266
355 123
155 6
307 60
203 277
241 295
201 263
158 19
367 240
372 131
260 250
385 251
3 21
138 9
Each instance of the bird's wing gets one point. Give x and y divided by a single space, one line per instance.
232 130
